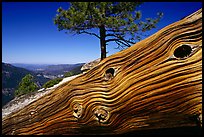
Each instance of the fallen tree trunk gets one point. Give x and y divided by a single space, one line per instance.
156 83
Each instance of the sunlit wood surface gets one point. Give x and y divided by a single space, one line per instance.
147 86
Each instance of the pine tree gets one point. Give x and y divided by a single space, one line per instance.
26 85
117 22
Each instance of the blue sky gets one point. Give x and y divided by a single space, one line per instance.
30 36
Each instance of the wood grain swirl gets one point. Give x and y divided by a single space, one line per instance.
150 89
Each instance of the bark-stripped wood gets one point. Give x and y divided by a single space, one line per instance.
147 86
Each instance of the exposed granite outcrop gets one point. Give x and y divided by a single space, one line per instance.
89 65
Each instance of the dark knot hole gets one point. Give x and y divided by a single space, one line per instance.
109 74
182 51
110 71
100 116
75 110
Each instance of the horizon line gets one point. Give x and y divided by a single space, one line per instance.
42 63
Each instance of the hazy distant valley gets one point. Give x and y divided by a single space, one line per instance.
50 71
13 73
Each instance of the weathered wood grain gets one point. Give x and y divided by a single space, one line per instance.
150 87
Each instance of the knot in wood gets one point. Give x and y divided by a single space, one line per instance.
109 74
77 110
183 51
101 114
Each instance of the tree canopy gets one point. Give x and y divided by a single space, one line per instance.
117 22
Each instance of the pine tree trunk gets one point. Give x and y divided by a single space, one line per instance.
102 41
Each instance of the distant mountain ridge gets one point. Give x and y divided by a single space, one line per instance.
31 67
49 69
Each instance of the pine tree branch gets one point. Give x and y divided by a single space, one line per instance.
114 39
119 42
120 47
114 34
118 38
85 32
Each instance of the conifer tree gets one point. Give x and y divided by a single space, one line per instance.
117 22
26 85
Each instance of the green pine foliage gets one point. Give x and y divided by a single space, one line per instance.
26 85
52 82
69 74
118 22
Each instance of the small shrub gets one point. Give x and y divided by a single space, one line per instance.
69 74
52 82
